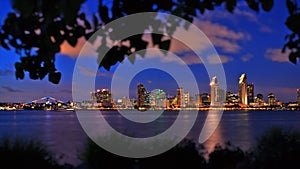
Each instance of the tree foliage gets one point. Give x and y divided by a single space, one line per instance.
20 153
36 29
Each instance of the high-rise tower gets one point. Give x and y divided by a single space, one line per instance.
250 93
141 96
180 97
243 97
214 91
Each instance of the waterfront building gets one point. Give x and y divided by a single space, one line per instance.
272 99
143 99
214 91
102 98
198 100
158 99
242 87
259 99
205 97
250 93
180 97
186 99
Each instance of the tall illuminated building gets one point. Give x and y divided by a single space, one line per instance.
272 99
186 99
214 91
103 97
198 100
141 96
243 97
250 93
298 96
180 97
158 98
260 99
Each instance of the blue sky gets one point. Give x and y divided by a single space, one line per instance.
248 42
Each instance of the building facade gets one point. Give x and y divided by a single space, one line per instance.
143 98
180 97
214 91
242 87
250 93
103 97
272 99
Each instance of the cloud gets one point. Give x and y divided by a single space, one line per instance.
88 72
246 57
246 14
214 59
190 58
237 16
86 49
6 72
11 90
276 55
67 49
222 37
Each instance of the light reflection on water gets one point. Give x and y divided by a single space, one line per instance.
63 134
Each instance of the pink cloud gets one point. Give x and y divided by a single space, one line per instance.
216 59
88 72
276 55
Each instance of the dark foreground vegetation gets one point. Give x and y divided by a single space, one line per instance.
277 148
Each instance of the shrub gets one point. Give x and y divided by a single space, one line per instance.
19 153
277 148
228 157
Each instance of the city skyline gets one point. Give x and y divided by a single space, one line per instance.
246 42
245 93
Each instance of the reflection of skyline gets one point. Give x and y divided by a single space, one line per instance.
213 128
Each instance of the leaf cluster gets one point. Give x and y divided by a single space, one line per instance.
36 29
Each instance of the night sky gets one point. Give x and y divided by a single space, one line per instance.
247 42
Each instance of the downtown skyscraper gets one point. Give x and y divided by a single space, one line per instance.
242 87
142 97
214 91
250 93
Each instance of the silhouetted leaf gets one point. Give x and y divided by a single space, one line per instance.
165 4
156 38
42 73
253 5
267 5
33 75
103 12
291 7
95 21
165 45
4 45
293 23
293 57
72 40
19 70
54 77
87 24
137 42
230 5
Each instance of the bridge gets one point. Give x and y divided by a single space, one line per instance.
48 103
46 100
